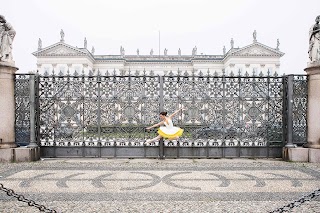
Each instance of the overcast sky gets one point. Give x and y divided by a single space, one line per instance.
207 24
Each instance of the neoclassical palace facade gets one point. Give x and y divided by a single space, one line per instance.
253 58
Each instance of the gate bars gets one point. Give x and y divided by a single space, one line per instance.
105 115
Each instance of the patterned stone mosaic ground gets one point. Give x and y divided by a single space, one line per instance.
177 185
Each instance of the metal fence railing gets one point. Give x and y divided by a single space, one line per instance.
111 111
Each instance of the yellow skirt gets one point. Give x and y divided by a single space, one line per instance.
169 134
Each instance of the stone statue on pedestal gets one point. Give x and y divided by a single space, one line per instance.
179 52
314 41
313 109
224 50
7 34
7 99
85 43
151 52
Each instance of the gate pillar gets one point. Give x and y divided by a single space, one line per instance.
7 105
313 109
8 148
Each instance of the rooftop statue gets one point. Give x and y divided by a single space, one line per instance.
122 51
314 41
7 34
278 44
85 43
39 44
62 35
194 51
254 36
232 43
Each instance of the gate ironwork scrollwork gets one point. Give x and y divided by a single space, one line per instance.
22 115
112 110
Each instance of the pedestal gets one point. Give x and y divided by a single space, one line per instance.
19 154
314 155
7 105
298 154
313 110
6 155
26 154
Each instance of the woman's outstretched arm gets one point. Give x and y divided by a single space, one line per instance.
176 112
155 125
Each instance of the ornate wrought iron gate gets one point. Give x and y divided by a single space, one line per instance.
105 115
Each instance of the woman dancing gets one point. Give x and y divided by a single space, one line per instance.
168 131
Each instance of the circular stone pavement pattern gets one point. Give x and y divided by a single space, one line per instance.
151 185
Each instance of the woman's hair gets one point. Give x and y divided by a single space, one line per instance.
163 113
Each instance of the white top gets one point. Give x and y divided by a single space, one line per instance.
169 128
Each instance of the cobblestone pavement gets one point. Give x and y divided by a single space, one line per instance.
150 185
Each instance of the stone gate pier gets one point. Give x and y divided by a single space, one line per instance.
313 71
7 105
9 152
8 148
311 150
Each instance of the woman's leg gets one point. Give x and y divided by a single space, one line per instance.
153 139
176 138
